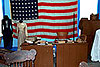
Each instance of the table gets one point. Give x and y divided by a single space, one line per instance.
71 54
44 57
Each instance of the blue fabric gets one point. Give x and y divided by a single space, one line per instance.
3 7
6 11
78 16
6 7
98 8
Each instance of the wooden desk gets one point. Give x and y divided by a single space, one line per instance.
44 57
71 54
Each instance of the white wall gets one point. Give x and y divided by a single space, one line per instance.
1 16
88 7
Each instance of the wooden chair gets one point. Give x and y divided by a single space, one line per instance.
22 58
83 64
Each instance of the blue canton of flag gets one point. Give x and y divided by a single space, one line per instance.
24 9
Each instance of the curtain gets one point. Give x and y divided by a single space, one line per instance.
98 9
1 16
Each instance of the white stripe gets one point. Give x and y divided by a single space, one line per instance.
46 20
45 33
48 27
57 14
57 8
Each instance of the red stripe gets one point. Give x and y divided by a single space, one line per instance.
57 17
53 37
57 11
49 37
48 30
51 24
14 31
57 4
51 30
15 36
15 24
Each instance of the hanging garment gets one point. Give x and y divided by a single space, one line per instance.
7 32
22 33
95 52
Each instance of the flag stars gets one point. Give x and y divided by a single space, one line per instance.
13 11
26 18
16 14
32 14
19 3
35 10
29 11
35 13
32 6
26 14
36 17
28 3
35 6
32 3
25 3
13 14
29 18
19 7
35 2
12 3
15 3
29 7
16 7
19 14
20 11
29 14
32 17
24 9
16 11
32 10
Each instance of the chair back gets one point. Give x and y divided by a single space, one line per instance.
22 58
83 64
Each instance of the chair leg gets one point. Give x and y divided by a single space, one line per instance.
13 64
16 64
19 64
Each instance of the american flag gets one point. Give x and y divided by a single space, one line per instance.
53 16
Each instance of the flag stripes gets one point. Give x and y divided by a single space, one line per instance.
54 16
57 4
